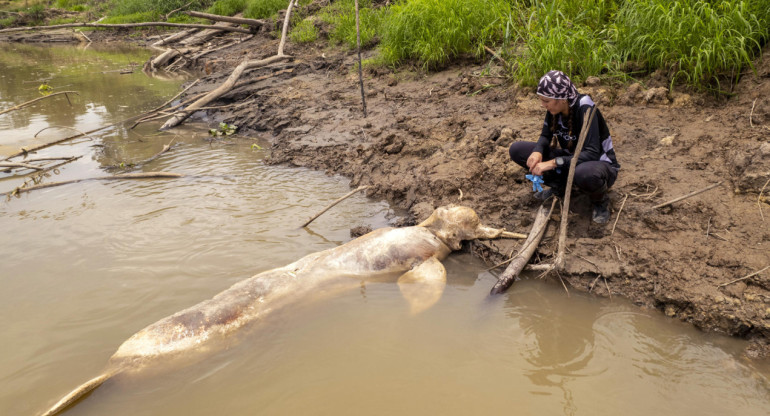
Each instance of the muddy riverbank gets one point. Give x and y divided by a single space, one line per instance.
440 138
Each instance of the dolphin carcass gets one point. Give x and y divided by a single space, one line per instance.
413 251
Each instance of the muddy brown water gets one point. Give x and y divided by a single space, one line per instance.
87 265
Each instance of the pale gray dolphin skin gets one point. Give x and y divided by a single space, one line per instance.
414 251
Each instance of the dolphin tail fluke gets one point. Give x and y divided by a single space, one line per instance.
79 392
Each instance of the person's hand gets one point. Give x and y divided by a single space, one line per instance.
533 160
544 167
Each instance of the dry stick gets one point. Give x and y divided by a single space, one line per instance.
608 287
229 19
759 200
173 38
522 258
691 194
176 10
19 165
743 278
587 120
8 110
125 25
751 124
360 68
617 217
140 175
180 116
348 195
25 151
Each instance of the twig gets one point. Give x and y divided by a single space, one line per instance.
691 194
360 188
617 251
141 175
587 261
751 124
24 104
593 283
461 194
759 200
176 10
708 226
617 217
19 165
608 287
562 282
360 67
743 278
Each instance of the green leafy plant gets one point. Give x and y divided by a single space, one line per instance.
224 129
45 89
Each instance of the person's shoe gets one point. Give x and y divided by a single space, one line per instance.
601 212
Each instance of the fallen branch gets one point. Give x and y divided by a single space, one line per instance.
125 25
587 120
180 116
229 19
522 258
691 194
617 217
759 200
141 175
19 165
22 105
348 195
743 278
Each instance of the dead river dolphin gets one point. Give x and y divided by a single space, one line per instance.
413 251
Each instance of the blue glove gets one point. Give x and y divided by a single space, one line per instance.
537 182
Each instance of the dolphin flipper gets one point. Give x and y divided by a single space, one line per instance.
423 286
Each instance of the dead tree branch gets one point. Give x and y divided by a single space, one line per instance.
530 245
229 19
180 116
346 196
22 105
587 120
140 175
691 194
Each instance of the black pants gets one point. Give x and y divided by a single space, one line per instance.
592 177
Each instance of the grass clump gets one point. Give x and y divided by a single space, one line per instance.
262 9
435 31
697 41
564 34
228 7
304 32
341 17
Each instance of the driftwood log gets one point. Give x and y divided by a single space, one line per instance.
525 253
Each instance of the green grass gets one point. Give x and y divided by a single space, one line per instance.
341 17
228 7
432 32
157 7
262 9
304 32
697 42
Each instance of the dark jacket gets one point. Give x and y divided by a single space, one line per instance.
598 142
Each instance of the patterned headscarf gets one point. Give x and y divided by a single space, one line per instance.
557 85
